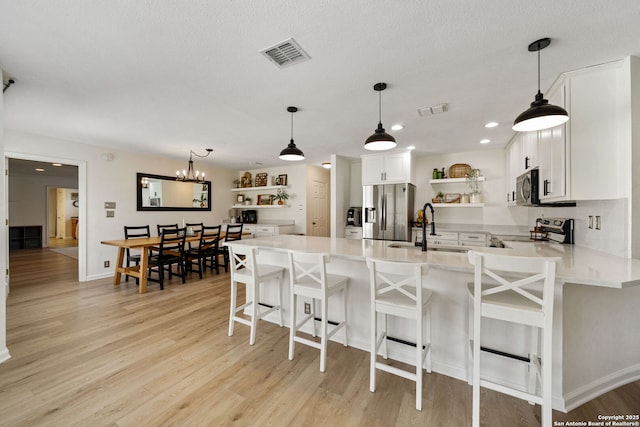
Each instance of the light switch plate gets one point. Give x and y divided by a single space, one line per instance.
109 205
111 214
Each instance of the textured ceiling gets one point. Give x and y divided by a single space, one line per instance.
167 76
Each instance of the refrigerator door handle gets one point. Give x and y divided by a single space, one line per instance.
384 213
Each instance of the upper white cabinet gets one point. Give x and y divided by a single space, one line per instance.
599 131
393 168
552 155
589 157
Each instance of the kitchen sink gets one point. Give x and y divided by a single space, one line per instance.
453 249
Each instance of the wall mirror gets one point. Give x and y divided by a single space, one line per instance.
165 193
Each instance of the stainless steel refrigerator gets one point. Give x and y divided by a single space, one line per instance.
388 211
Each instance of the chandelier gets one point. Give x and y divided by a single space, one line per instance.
189 175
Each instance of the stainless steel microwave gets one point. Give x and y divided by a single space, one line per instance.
527 189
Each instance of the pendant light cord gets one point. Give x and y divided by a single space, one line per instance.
539 67
380 107
292 127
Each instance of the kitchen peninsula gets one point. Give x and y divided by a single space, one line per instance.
595 317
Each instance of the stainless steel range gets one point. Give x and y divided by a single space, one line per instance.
557 229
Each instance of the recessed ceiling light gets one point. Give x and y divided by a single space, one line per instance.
485 141
56 164
397 127
39 170
491 124
411 147
326 165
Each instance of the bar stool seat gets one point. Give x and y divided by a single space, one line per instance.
245 269
396 290
309 278
518 290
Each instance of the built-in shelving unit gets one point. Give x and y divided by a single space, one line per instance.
453 180
265 189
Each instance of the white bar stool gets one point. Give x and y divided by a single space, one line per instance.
519 290
245 269
396 290
309 279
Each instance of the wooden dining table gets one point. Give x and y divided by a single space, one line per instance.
144 244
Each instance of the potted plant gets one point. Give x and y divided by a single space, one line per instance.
439 198
202 200
472 182
247 200
281 196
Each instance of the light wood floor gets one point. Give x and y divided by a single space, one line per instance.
91 354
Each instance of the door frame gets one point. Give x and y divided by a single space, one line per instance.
82 208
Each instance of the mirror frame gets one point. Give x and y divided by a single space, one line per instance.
140 175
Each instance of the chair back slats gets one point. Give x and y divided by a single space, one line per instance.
530 277
310 266
389 278
172 241
209 238
243 261
136 231
234 232
195 226
162 227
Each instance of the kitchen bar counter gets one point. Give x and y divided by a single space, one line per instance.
595 332
579 265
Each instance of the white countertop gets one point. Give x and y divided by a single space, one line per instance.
579 265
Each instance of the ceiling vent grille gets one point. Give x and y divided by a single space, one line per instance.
430 111
285 53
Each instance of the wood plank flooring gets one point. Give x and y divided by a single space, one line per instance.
91 354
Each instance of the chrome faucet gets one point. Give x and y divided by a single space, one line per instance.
424 225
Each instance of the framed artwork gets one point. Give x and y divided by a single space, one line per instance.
282 179
261 179
240 198
265 199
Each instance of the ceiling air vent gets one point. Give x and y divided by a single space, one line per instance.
430 111
285 53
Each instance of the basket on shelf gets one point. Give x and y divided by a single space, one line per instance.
452 198
459 170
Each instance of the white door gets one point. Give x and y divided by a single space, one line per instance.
319 207
60 215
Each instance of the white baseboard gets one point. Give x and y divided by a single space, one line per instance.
99 276
4 355
596 388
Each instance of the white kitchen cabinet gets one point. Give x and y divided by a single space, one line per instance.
598 132
353 232
473 239
552 155
387 168
267 230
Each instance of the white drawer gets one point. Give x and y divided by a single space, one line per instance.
467 243
444 235
353 232
249 228
473 237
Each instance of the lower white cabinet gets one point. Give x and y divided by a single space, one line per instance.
267 230
453 238
353 232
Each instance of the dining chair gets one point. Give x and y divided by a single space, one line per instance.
233 233
515 289
397 290
206 249
309 279
134 231
170 251
194 227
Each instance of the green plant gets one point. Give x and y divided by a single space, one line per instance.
472 179
201 200
281 195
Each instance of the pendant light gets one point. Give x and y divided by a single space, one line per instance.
380 140
189 175
541 114
291 152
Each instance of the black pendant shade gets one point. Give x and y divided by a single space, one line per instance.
541 114
291 152
380 140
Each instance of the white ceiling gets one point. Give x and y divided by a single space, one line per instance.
167 76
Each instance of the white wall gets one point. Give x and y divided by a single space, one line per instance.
340 193
115 181
493 166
